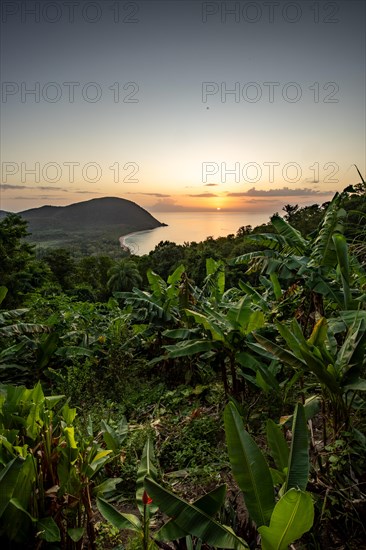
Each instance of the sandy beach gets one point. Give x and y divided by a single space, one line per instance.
131 247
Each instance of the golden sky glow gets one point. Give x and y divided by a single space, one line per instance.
173 126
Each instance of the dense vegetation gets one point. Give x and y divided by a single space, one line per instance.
206 395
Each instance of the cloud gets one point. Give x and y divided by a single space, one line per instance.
262 201
204 195
7 186
38 197
166 205
284 192
159 195
87 192
211 184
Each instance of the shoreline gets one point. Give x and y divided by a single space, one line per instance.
131 248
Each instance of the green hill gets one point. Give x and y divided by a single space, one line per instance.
90 226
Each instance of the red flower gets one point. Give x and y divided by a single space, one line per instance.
146 499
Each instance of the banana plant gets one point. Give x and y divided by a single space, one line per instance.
161 305
22 344
223 334
187 520
48 470
320 266
279 523
338 369
131 522
214 282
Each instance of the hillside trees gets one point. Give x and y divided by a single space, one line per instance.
123 276
62 265
19 270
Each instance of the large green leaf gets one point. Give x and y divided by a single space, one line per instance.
209 503
111 437
303 358
249 468
277 351
23 328
48 530
256 321
175 277
357 385
116 518
352 353
157 284
276 286
278 445
340 244
16 523
292 516
248 361
255 295
146 468
186 348
34 422
298 463
208 324
8 481
318 367
192 520
76 533
215 270
262 256
319 336
293 237
291 339
180 333
323 252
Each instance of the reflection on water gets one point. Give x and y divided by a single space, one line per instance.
191 226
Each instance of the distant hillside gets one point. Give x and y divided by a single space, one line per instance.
104 212
89 226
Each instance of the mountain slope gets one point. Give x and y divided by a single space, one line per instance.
88 227
101 213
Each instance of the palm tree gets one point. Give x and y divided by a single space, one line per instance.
123 276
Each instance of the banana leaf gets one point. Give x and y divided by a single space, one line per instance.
116 518
278 445
192 520
209 503
249 468
292 516
298 462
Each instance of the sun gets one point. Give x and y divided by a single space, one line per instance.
218 208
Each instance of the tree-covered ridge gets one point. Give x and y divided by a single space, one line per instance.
88 226
239 364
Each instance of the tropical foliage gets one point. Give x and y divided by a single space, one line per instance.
240 367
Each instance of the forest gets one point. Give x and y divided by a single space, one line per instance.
206 395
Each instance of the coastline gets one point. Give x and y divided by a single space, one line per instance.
131 248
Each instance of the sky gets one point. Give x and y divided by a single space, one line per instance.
181 105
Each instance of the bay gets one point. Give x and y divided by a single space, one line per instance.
183 227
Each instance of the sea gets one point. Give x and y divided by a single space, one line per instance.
187 227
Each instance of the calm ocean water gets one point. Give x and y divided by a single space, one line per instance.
191 226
